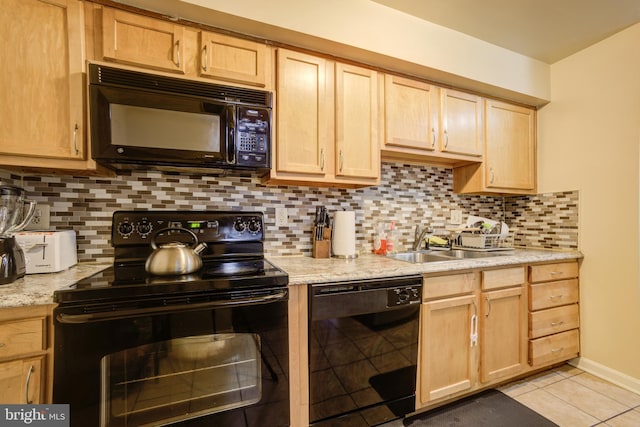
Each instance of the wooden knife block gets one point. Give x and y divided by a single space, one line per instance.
322 248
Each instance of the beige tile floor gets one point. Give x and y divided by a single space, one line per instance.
571 397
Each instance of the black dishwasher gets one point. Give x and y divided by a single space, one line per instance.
363 350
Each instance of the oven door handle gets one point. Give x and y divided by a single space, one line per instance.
136 312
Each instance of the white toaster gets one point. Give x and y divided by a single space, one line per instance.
48 251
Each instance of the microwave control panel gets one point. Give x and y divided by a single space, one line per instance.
252 143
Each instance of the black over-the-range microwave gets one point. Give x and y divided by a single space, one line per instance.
141 120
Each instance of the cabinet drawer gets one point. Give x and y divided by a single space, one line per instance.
554 348
22 337
546 272
441 286
553 294
503 278
553 320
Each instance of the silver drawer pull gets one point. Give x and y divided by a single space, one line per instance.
2 344
553 273
552 297
555 350
26 385
557 323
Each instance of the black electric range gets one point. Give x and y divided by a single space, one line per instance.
194 350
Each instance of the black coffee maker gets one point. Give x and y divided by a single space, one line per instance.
15 214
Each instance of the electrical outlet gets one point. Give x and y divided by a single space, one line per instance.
282 218
456 217
41 218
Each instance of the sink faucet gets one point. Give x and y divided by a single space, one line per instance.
419 235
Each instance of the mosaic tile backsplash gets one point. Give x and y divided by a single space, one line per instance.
409 195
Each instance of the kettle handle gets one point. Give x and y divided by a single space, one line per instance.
154 245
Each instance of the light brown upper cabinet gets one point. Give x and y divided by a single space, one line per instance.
157 44
229 58
326 123
461 121
357 148
41 80
422 122
128 38
509 165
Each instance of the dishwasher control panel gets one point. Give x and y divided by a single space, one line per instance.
404 295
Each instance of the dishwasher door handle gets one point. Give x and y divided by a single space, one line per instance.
159 310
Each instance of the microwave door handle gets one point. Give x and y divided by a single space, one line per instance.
231 135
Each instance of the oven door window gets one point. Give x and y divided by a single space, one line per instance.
181 378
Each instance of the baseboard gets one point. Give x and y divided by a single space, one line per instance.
606 373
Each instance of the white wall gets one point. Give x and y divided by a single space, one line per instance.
370 32
589 138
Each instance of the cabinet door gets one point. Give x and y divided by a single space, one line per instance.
41 83
228 58
21 381
139 40
461 129
409 113
503 333
448 355
304 114
357 148
511 150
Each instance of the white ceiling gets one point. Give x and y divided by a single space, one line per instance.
548 30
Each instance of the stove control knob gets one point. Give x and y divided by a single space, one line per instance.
254 225
239 226
125 228
144 228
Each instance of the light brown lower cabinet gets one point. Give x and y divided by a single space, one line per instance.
21 381
554 314
25 355
484 327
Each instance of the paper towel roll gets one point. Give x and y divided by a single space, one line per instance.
343 244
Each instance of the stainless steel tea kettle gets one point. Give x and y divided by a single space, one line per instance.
174 258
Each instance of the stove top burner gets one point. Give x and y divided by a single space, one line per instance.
130 280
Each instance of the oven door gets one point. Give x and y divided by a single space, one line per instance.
218 363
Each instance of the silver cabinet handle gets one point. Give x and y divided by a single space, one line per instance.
554 297
75 138
492 176
561 322
178 53
341 160
555 350
446 139
205 58
433 137
26 385
322 159
474 326
488 306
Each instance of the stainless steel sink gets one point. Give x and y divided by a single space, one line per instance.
421 256
417 257
461 253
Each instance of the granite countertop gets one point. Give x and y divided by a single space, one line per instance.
307 270
37 289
